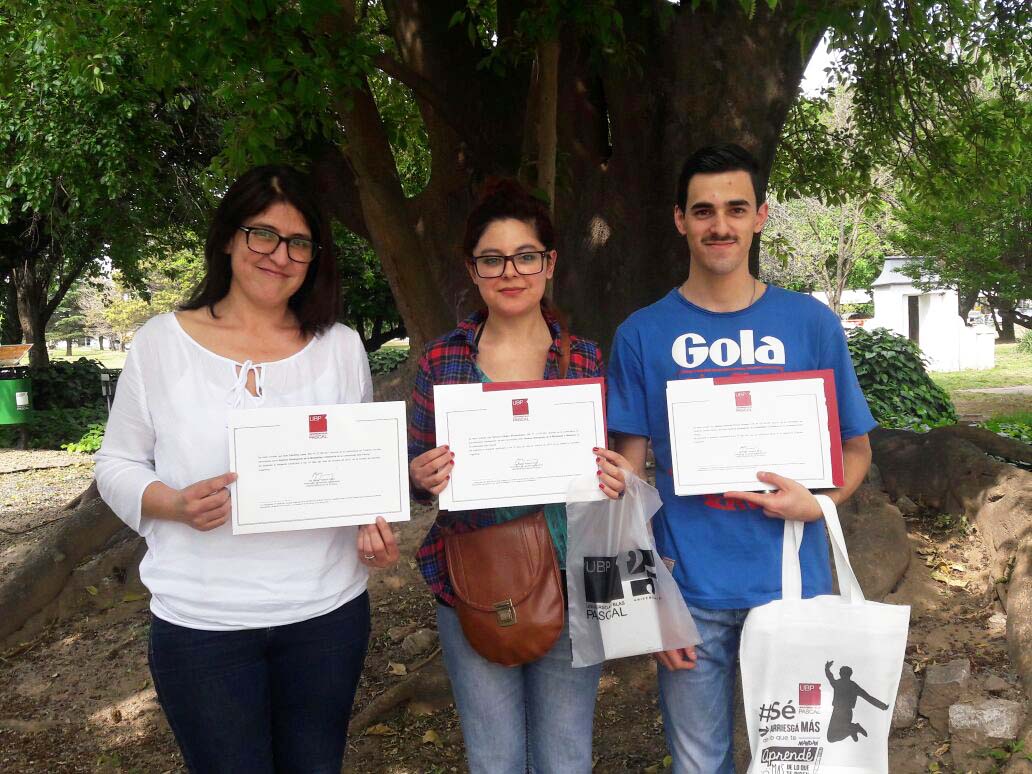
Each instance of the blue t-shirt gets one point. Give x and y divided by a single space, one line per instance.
726 554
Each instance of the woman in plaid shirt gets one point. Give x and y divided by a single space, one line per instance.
537 716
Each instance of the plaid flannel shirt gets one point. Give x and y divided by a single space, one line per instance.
451 360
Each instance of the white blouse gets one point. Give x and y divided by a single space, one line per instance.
168 424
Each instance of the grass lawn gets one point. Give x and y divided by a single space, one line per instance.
1012 369
108 358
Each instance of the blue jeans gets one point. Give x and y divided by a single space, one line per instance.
698 704
258 701
536 717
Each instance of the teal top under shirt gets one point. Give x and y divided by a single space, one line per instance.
555 513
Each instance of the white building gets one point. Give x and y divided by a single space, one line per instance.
930 318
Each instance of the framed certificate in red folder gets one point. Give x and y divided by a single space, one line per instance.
723 431
518 443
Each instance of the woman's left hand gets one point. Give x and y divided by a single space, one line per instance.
377 546
610 476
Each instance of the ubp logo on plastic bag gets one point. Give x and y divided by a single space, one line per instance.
620 594
798 732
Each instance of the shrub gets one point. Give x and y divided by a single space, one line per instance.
1025 343
68 385
1018 426
386 359
892 375
90 441
56 428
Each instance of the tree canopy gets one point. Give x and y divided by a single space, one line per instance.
401 108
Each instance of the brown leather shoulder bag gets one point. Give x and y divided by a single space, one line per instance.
508 591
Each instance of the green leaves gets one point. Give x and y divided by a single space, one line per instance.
899 392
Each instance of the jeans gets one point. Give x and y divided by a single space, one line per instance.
698 704
258 701
536 717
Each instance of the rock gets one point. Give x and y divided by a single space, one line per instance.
874 478
944 686
968 749
905 711
398 633
876 537
907 506
997 625
419 642
995 718
996 684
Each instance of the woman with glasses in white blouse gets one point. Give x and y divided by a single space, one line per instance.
257 641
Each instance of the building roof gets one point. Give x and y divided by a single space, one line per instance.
892 272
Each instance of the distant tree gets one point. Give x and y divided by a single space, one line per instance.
93 156
971 224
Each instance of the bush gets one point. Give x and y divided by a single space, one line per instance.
56 428
90 441
386 359
1025 343
1018 426
64 385
892 375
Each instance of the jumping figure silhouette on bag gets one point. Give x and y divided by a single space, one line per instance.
846 693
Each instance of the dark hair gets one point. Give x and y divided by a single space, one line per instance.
501 199
316 303
727 157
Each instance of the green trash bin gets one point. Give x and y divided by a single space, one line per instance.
15 395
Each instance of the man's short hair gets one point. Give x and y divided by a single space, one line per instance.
727 157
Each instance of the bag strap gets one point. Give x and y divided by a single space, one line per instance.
791 574
564 352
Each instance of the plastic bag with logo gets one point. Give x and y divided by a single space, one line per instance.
623 600
820 675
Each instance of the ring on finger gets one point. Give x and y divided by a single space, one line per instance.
369 557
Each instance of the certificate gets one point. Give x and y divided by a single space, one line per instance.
518 443
725 430
318 466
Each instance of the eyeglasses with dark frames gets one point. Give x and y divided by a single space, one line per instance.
493 266
265 241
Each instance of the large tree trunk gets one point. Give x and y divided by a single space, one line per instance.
624 127
32 311
615 213
11 332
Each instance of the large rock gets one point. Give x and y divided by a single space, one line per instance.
995 718
876 537
980 727
948 470
905 711
944 686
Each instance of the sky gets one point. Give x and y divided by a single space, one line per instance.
814 77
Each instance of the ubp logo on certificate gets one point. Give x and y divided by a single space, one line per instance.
317 426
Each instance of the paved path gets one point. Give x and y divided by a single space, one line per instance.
1021 389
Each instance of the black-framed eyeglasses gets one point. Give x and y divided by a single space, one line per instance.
265 241
492 266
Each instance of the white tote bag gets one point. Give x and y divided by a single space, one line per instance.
623 599
820 675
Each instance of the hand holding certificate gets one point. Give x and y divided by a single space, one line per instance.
724 431
318 466
518 443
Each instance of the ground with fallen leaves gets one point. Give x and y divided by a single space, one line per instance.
80 699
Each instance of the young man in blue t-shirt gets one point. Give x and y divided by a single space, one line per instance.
725 549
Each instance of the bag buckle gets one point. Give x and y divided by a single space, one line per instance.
506 613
